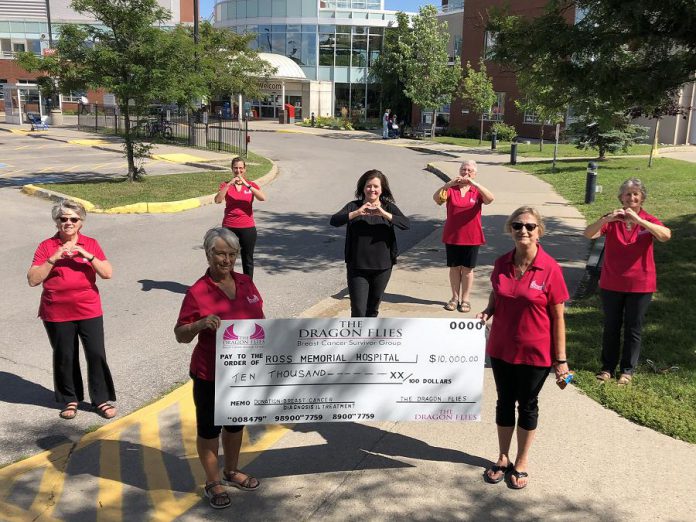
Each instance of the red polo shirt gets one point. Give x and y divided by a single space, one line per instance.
521 331
238 211
629 265
69 292
463 224
205 298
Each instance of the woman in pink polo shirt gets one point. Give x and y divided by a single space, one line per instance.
527 338
628 277
463 233
67 265
221 294
238 195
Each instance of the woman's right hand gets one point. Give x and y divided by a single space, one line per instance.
484 315
211 322
367 209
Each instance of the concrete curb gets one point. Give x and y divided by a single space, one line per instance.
156 207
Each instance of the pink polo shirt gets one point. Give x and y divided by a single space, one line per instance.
238 210
629 265
70 291
521 331
205 298
463 224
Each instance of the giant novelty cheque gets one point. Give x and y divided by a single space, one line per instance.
331 370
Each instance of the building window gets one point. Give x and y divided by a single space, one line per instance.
3 81
497 112
73 97
488 44
326 48
531 118
19 47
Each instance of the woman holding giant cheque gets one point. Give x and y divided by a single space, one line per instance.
67 265
221 294
463 233
628 277
526 339
238 195
371 250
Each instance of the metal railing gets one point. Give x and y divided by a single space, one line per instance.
171 127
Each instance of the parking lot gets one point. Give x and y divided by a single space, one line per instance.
51 157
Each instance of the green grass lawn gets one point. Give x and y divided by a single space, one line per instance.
565 150
666 403
171 187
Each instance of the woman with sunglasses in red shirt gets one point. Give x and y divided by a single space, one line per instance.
527 338
67 265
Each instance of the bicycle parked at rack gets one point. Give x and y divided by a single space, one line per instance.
162 129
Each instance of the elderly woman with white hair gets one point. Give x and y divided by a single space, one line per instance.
67 265
221 294
463 232
628 277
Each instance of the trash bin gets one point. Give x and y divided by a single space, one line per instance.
56 117
281 116
198 135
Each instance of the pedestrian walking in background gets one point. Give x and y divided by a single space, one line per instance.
628 277
239 195
83 104
527 338
67 265
221 294
463 232
385 124
371 249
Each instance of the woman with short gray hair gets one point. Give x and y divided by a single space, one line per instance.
221 294
628 277
67 265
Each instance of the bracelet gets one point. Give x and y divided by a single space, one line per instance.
561 361
90 260
51 262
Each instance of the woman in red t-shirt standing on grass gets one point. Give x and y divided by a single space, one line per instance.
463 233
527 338
628 277
67 265
238 195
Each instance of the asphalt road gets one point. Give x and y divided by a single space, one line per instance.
156 257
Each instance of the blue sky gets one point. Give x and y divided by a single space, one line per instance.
206 6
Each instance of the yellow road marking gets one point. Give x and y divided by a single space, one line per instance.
88 142
22 147
14 514
110 496
177 158
46 169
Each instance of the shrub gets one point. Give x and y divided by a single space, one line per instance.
505 132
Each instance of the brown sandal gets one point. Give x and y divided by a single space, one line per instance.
624 379
106 410
603 376
464 307
248 484
69 412
451 305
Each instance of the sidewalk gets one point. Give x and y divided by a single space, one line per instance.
587 463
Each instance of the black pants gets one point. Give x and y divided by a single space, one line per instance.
247 241
366 288
204 399
64 337
521 384
625 309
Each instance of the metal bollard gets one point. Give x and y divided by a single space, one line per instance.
494 140
513 153
591 183
314 121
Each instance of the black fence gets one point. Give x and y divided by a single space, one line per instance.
172 127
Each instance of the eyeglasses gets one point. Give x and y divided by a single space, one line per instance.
516 225
64 219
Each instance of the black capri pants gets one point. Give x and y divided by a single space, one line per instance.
247 242
366 288
204 399
518 384
65 337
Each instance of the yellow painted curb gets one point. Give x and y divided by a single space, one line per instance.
32 190
177 158
89 142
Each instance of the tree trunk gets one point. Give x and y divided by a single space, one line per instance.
125 110
434 124
541 137
654 144
481 134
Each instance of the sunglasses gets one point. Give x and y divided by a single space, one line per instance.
516 225
71 219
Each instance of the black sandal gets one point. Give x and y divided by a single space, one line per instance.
217 500
518 475
69 412
496 469
248 484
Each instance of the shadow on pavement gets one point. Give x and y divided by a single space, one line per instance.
16 390
169 286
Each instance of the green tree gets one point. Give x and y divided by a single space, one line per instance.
477 91
389 70
539 99
624 54
429 81
610 132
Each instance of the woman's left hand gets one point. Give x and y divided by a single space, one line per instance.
561 369
630 215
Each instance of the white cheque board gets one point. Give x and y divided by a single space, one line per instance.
330 370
